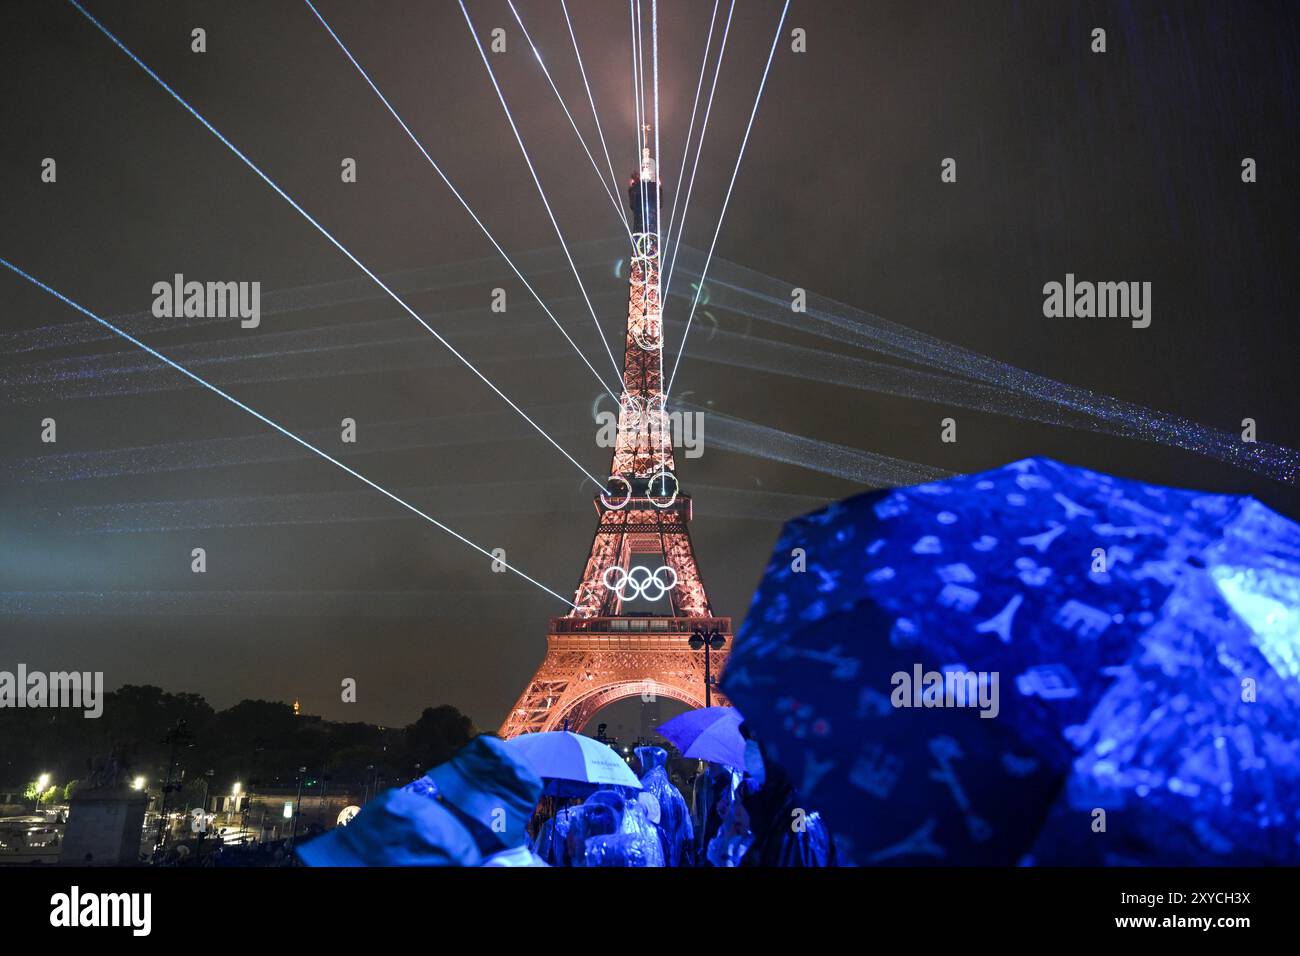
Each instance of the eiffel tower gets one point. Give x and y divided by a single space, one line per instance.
601 652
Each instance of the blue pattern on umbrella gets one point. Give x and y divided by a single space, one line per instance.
1144 643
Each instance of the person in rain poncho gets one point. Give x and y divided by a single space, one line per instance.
585 822
732 838
552 843
634 842
396 828
674 825
493 793
707 809
784 833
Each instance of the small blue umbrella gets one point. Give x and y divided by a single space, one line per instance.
710 733
564 755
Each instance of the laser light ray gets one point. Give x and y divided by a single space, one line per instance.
638 96
699 148
260 447
454 191
540 191
278 427
727 199
592 100
765 298
852 464
328 235
333 604
319 295
618 206
320 352
659 238
386 345
690 127
506 499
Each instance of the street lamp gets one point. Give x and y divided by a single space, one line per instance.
42 784
297 802
235 789
710 640
178 735
137 783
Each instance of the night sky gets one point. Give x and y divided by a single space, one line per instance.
1121 166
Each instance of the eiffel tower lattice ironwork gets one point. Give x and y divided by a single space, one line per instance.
600 652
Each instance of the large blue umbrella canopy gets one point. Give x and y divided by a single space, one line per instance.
709 733
564 755
1143 643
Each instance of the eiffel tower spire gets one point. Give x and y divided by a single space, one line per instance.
601 652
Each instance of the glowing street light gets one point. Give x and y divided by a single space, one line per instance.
709 639
234 790
137 783
43 782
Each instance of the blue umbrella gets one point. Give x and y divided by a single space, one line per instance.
710 733
564 755
1040 663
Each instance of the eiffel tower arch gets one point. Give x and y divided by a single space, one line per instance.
601 651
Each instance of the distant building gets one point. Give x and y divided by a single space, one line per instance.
104 826
265 815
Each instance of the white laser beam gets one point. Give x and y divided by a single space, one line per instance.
328 235
278 427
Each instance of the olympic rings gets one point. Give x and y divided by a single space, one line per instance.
660 477
648 345
628 581
628 497
645 245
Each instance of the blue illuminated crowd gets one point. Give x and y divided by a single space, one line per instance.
488 807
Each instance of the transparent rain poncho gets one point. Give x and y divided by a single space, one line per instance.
733 838
584 823
633 840
765 802
623 849
553 838
675 830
